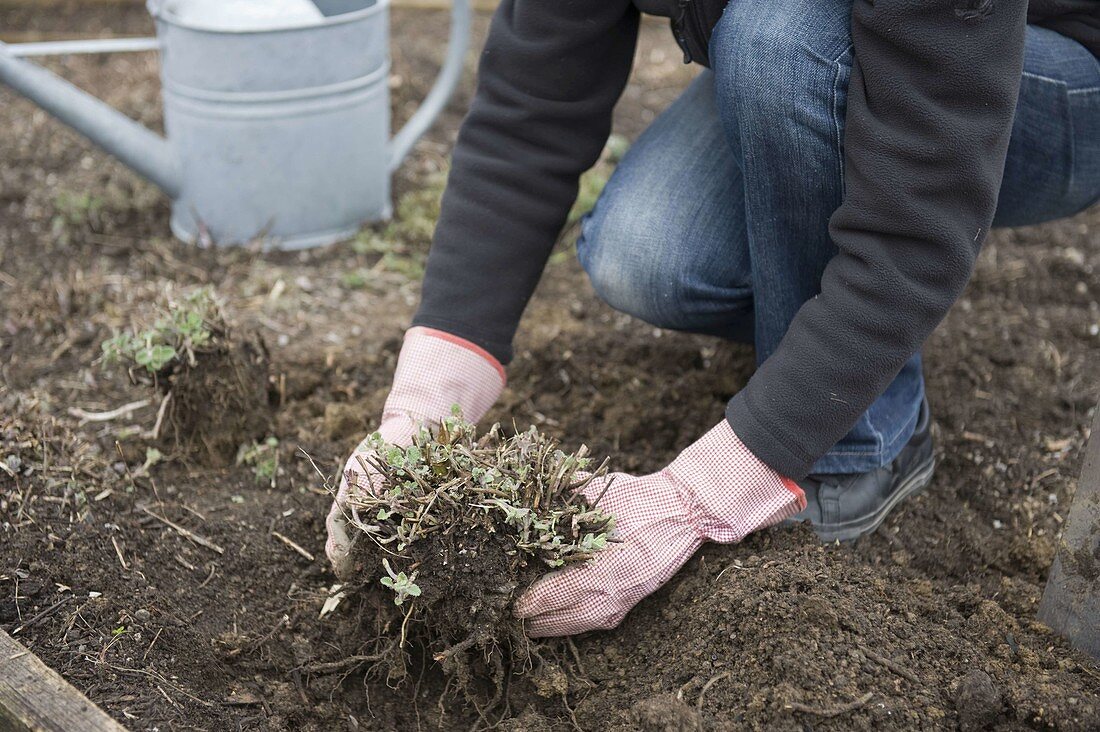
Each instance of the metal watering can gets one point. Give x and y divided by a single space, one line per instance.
281 133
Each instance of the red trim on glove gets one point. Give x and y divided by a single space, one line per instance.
797 491
463 343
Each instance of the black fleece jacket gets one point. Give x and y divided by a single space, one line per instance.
930 108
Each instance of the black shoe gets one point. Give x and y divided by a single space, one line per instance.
845 507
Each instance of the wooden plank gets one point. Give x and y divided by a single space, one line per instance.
1071 601
34 697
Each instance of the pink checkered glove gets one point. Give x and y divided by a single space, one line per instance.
435 371
715 490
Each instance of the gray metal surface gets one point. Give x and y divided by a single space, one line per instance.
281 133
1071 601
94 45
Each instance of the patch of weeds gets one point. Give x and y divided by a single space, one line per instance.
214 384
595 179
403 243
73 210
186 328
354 280
263 458
615 149
591 186
458 525
409 267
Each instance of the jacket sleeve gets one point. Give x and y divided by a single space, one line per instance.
549 77
930 110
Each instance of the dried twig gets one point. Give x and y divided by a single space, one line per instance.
184 563
118 553
706 687
124 411
296 547
186 533
155 432
829 712
42 615
345 663
891 665
456 648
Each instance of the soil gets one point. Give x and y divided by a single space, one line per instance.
222 402
184 596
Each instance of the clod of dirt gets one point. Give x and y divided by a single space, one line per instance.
343 420
977 701
221 403
456 526
213 380
665 713
550 680
529 721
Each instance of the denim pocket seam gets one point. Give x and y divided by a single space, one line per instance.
1073 97
1071 146
837 122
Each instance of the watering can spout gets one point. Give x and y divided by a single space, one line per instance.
144 151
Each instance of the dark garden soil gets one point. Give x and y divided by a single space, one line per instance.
183 596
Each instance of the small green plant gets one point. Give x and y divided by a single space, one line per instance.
595 179
263 458
402 585
354 279
76 209
403 243
187 326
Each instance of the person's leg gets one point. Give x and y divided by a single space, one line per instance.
781 69
1053 167
666 239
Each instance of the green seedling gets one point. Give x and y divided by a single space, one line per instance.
176 336
263 458
403 586
354 280
403 243
76 209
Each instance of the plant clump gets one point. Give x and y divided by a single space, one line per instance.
456 526
213 383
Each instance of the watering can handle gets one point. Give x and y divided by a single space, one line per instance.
441 90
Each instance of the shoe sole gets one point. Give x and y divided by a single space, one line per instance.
852 530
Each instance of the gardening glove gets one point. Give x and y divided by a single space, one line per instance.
435 371
715 490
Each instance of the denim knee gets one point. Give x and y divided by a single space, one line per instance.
625 260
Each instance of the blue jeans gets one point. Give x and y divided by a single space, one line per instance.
716 221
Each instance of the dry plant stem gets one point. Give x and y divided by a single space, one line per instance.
124 411
829 712
349 662
457 648
892 665
294 545
155 432
706 687
186 533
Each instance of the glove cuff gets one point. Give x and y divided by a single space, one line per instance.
435 371
729 492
